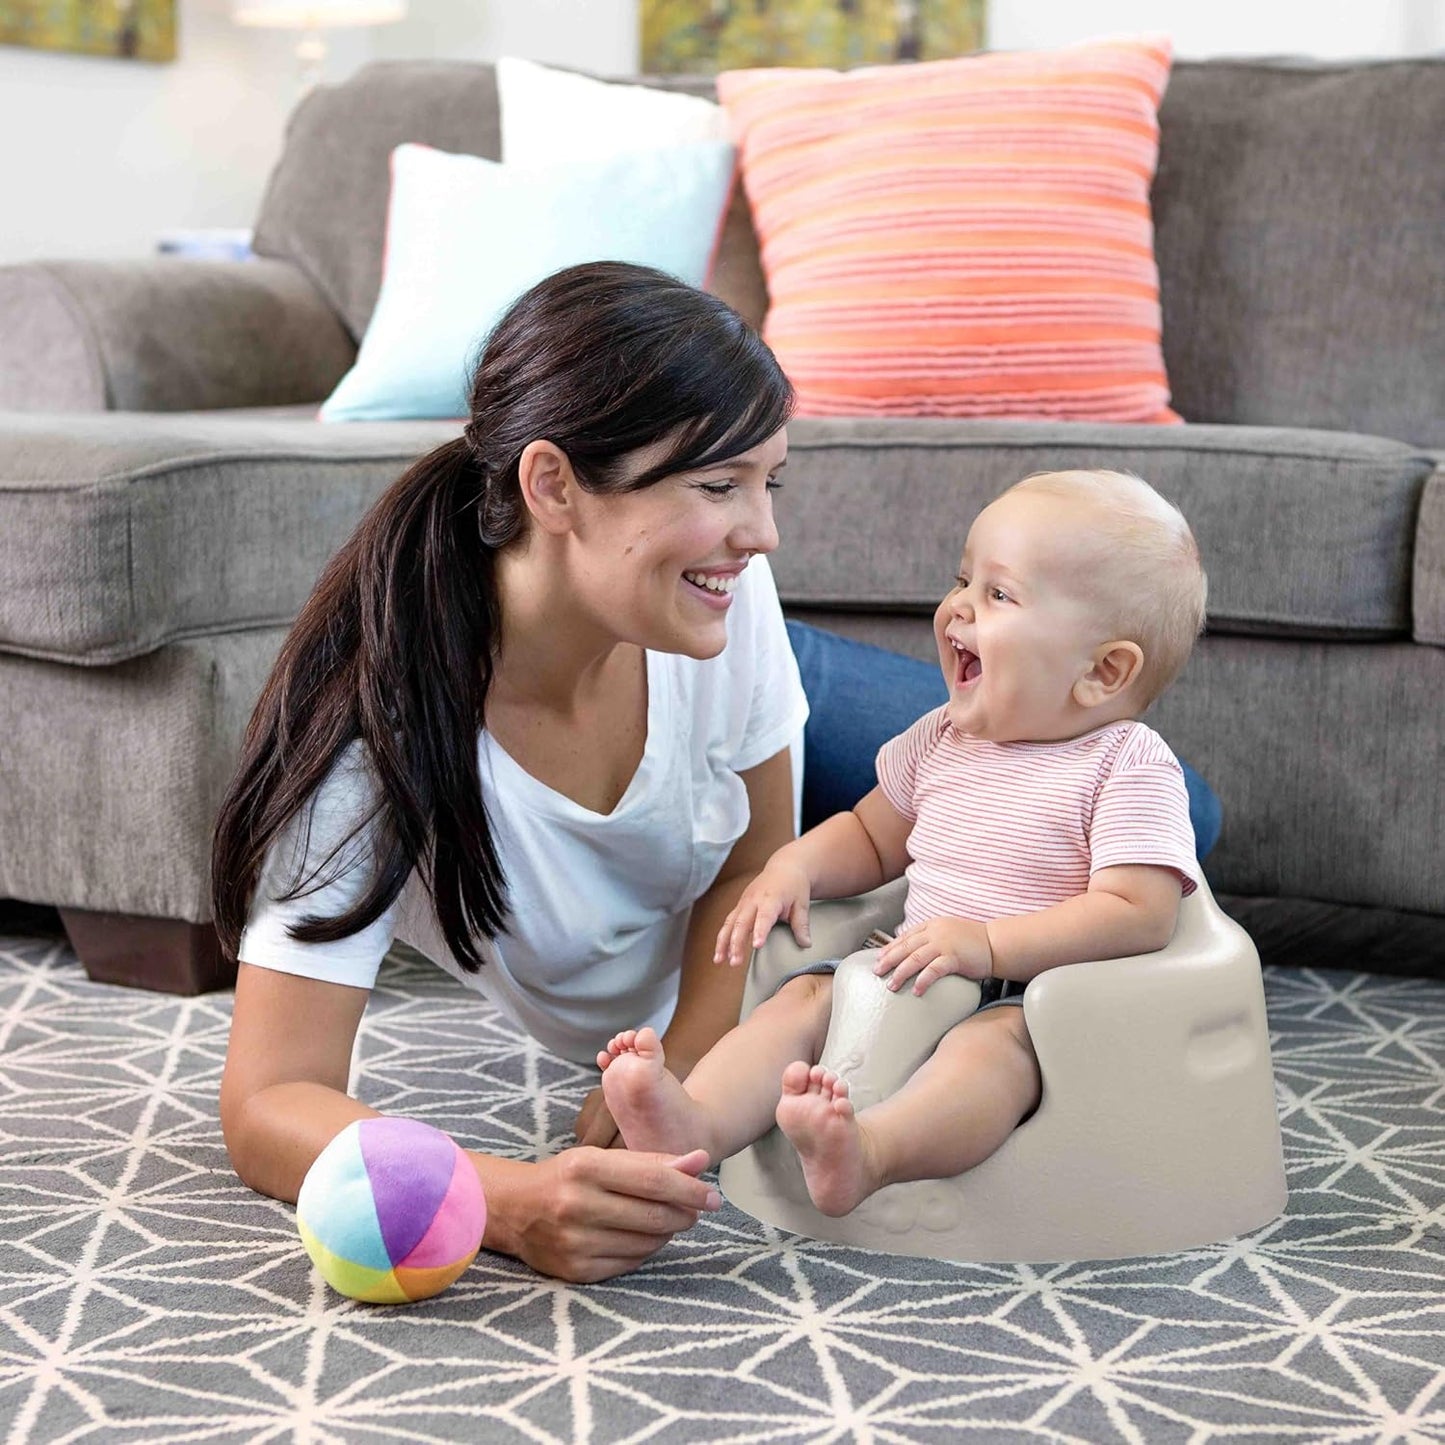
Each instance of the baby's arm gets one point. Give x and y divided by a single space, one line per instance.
846 854
1127 909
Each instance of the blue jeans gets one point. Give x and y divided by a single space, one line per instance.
860 696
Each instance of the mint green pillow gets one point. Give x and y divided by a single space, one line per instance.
465 237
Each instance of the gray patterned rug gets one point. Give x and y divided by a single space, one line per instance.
146 1295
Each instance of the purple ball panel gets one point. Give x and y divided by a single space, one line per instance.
410 1165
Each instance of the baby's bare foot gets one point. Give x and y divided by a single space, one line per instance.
817 1116
651 1108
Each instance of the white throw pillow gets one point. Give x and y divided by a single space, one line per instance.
552 115
466 236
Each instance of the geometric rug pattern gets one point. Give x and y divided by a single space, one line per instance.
147 1295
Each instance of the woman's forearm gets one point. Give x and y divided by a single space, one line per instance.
709 995
563 1216
275 1134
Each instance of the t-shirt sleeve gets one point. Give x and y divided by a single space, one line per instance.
899 759
758 648
1141 813
327 848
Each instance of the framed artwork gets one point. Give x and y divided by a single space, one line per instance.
701 37
124 29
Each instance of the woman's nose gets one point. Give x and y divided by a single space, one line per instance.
757 531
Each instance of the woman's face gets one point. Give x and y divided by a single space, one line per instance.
658 566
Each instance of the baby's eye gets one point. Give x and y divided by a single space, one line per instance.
997 594
960 581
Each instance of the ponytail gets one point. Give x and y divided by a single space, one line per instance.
394 647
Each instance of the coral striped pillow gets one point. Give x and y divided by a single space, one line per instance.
963 237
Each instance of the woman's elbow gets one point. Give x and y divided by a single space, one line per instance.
242 1139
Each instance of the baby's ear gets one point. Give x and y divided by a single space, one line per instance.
1116 665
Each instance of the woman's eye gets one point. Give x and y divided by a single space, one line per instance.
774 485
716 489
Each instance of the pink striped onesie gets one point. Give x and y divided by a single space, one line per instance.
1007 828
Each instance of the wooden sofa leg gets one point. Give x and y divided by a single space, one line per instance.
167 955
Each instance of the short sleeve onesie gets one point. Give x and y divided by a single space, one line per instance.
1001 829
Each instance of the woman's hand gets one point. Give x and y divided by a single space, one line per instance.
594 1124
589 1214
782 890
940 946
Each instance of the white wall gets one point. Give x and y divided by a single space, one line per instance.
98 157
1324 29
595 35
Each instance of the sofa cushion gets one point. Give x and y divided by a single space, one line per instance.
121 532
452 271
1430 561
1299 212
964 238
549 116
1304 533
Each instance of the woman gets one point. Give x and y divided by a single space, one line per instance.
508 728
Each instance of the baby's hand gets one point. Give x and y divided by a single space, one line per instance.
781 890
940 946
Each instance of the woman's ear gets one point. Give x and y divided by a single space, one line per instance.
548 486
1116 665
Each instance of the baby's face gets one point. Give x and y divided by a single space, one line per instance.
1019 630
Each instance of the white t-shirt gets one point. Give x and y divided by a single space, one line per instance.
598 905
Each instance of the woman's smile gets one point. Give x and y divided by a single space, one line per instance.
713 586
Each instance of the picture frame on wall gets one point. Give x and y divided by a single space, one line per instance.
119 29
702 37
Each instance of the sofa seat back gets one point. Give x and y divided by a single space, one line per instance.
1299 210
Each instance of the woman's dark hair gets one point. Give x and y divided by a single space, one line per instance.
396 645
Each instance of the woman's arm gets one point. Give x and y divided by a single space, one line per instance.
283 1090
709 998
585 1215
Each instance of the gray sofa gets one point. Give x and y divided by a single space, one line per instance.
167 499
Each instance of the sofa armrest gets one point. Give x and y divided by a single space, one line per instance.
1428 587
165 335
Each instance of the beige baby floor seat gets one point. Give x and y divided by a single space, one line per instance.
1157 1129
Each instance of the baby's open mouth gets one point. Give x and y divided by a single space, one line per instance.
970 669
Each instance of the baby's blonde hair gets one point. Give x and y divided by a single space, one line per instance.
1141 564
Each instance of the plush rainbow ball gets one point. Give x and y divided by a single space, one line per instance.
391 1211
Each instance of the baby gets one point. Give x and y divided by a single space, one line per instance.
1038 821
